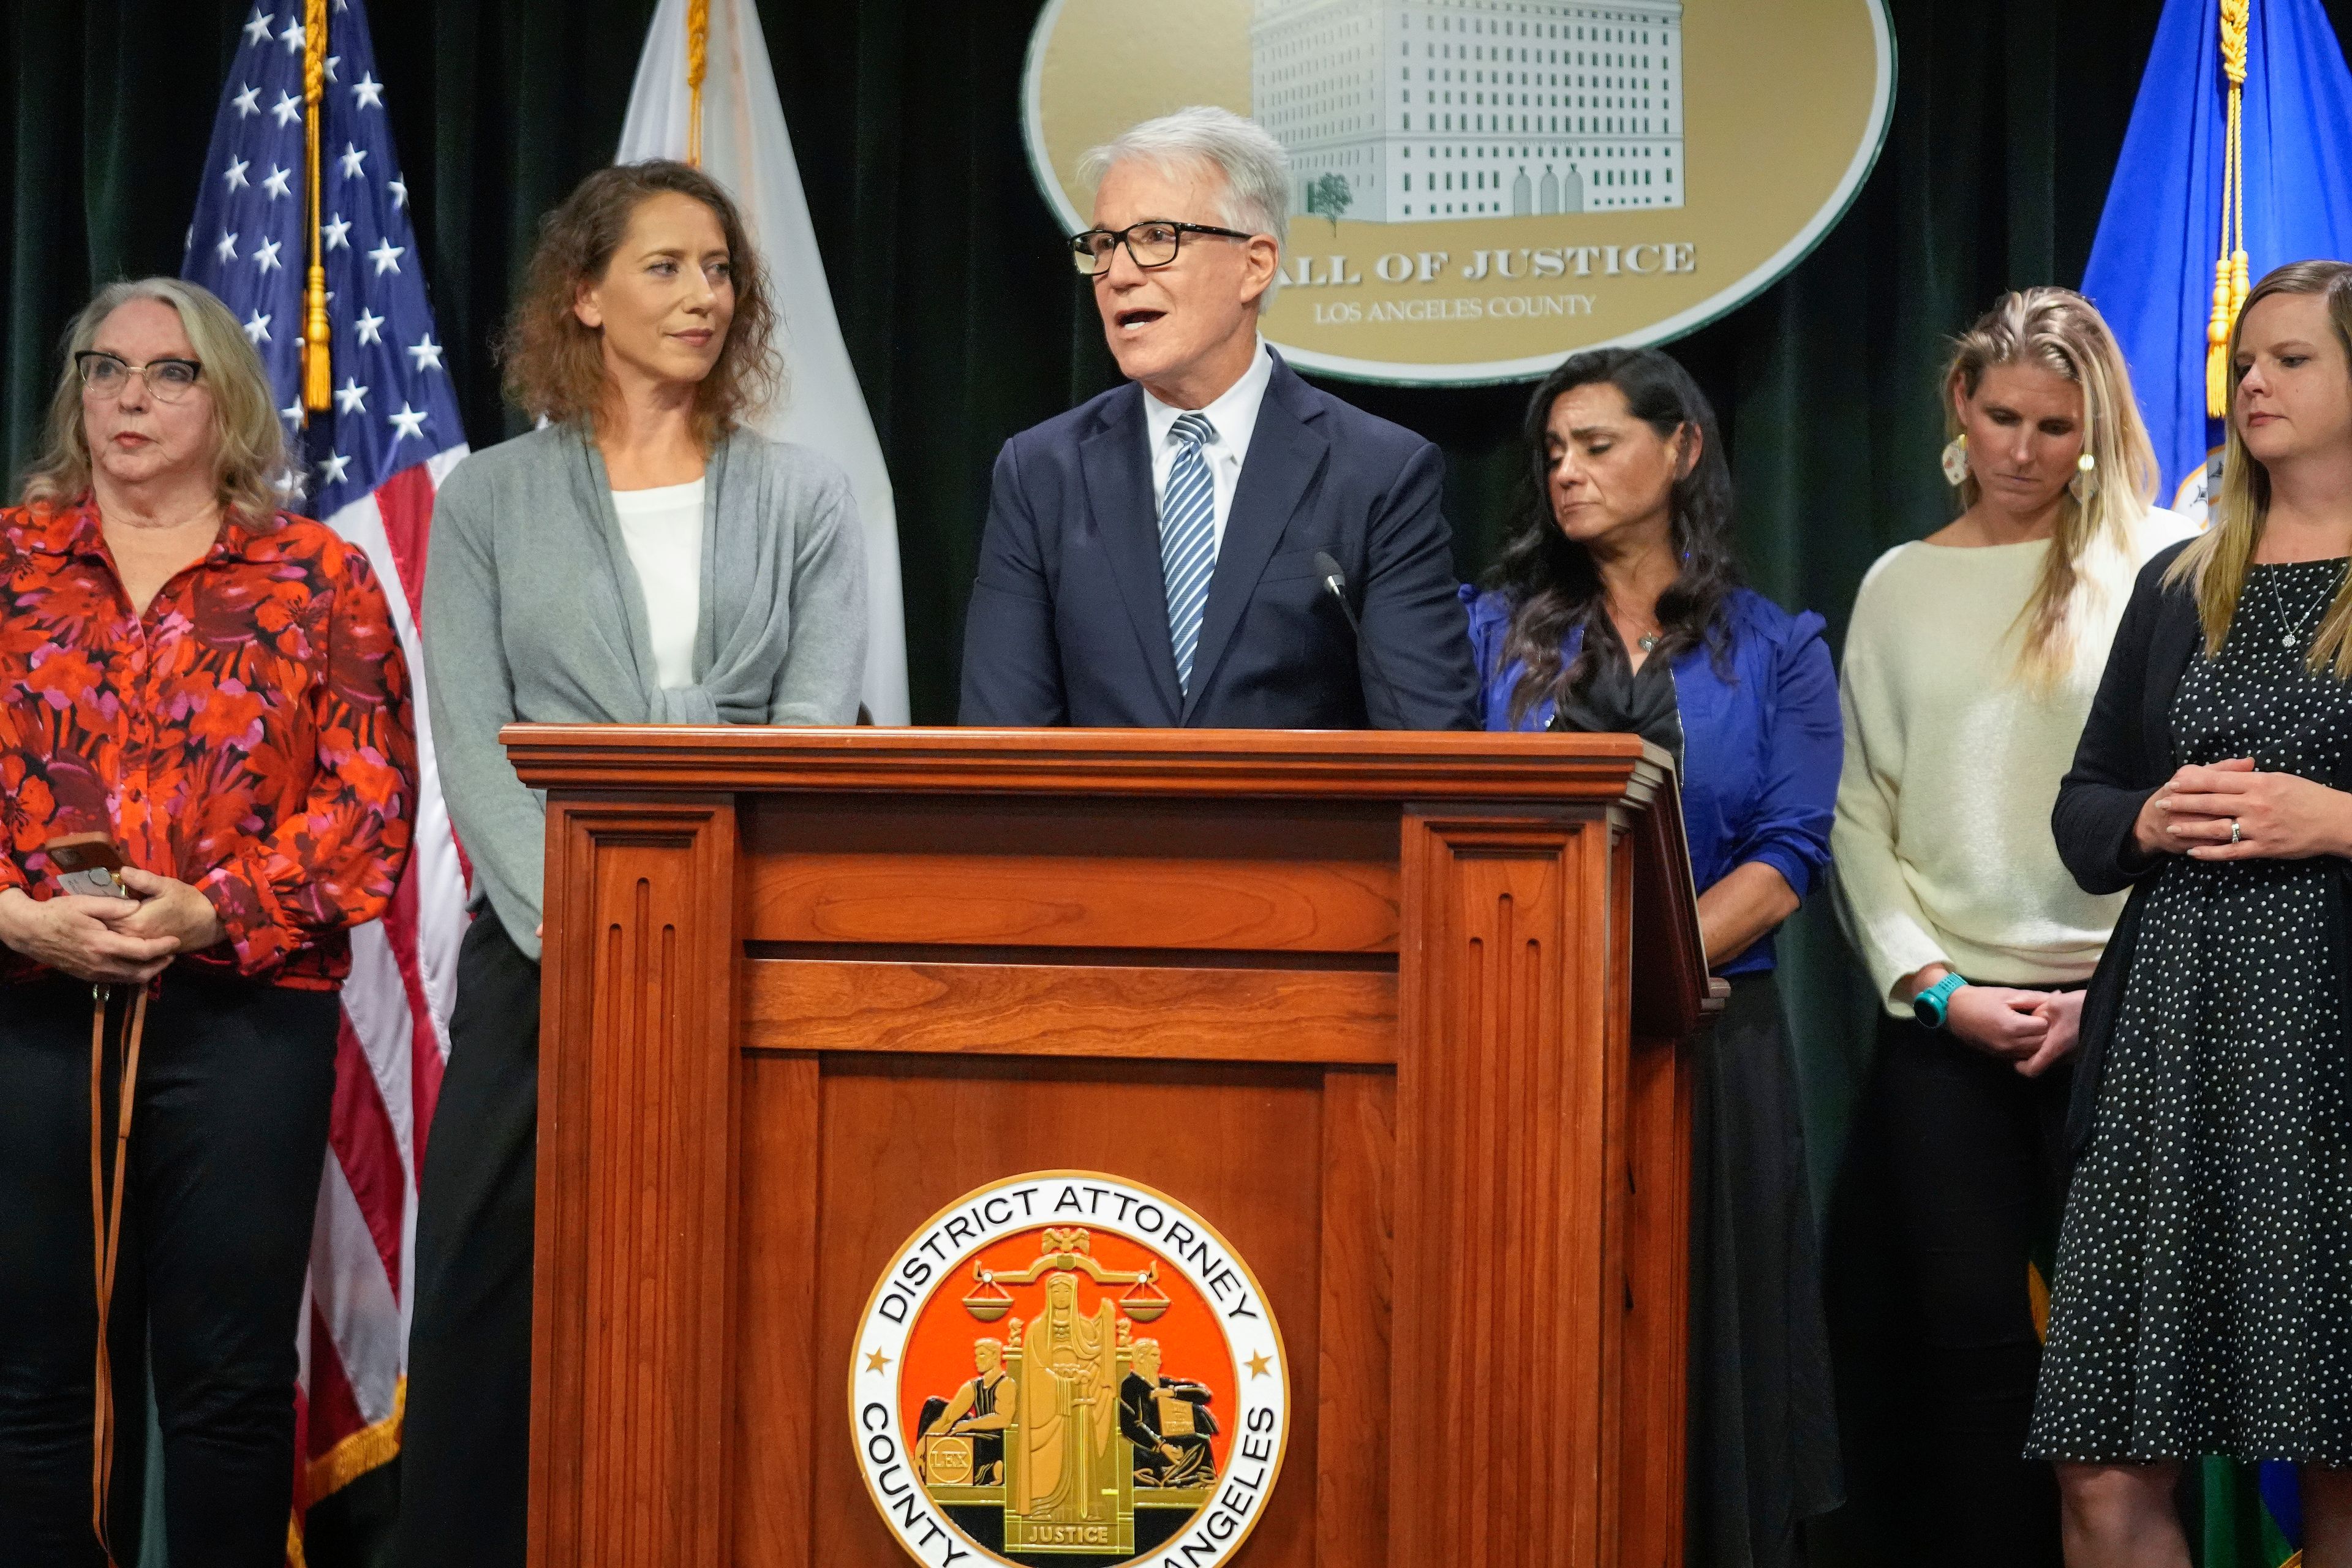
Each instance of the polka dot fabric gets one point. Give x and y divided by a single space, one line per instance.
2202 1302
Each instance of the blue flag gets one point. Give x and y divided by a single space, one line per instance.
2151 270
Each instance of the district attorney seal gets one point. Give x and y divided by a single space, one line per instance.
1070 1370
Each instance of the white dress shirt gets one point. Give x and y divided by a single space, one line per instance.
662 529
1235 418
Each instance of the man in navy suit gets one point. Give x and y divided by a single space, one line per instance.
1151 556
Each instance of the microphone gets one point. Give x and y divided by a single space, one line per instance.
1335 583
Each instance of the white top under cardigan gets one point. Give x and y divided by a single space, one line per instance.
1942 843
662 529
529 616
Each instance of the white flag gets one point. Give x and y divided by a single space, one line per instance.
745 148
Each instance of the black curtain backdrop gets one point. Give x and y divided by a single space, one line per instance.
966 324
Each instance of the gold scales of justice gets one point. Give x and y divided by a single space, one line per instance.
1067 1249
1052 1457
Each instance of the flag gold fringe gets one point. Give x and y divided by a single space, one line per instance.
346 1462
361 1451
318 376
2231 284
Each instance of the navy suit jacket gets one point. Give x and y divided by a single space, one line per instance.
1069 615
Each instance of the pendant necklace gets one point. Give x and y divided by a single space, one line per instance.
2294 636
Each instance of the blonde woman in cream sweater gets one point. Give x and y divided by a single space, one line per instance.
1970 664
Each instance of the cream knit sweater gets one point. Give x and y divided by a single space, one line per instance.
1942 843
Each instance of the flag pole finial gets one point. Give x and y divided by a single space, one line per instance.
2231 284
698 60
318 378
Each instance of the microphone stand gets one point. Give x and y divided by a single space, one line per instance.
1335 583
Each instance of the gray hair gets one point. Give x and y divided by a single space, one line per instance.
1256 170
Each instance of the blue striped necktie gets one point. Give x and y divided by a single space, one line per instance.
1187 540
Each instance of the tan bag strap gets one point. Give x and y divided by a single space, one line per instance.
106 1228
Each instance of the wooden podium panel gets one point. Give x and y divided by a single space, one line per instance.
1397 1014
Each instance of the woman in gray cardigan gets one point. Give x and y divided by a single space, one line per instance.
641 557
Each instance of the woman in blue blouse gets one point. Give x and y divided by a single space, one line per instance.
1618 598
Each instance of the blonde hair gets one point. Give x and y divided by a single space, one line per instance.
2218 565
2058 330
250 462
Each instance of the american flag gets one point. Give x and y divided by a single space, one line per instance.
371 465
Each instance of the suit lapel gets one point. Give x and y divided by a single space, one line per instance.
1119 496
1284 454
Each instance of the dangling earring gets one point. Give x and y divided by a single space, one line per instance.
2085 482
1956 460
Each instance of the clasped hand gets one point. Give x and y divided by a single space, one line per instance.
2276 815
2032 1030
112 942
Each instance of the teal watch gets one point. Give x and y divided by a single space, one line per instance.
1933 1004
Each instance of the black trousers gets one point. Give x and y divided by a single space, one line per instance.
1762 1418
466 1449
1975 1181
227 1141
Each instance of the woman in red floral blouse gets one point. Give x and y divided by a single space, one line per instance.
215 685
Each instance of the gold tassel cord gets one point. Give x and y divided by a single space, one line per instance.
697 61
2230 282
318 376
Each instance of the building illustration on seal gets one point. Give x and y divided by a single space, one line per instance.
1420 111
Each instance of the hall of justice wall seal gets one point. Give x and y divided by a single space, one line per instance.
1070 1370
1481 187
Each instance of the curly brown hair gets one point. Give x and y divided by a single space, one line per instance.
554 363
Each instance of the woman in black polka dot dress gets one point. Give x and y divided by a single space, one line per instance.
2203 1302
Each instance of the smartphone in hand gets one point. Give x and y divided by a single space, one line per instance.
88 864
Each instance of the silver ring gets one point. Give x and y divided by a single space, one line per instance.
2235 833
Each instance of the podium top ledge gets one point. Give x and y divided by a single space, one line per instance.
1365 764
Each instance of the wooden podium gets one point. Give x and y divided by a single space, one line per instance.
1398 1013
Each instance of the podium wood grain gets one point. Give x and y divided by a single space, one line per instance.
632 1315
1152 1012
1398 1014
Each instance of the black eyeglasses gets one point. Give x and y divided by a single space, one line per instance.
168 380
1151 243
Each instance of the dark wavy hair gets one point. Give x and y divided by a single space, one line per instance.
1551 582
554 363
